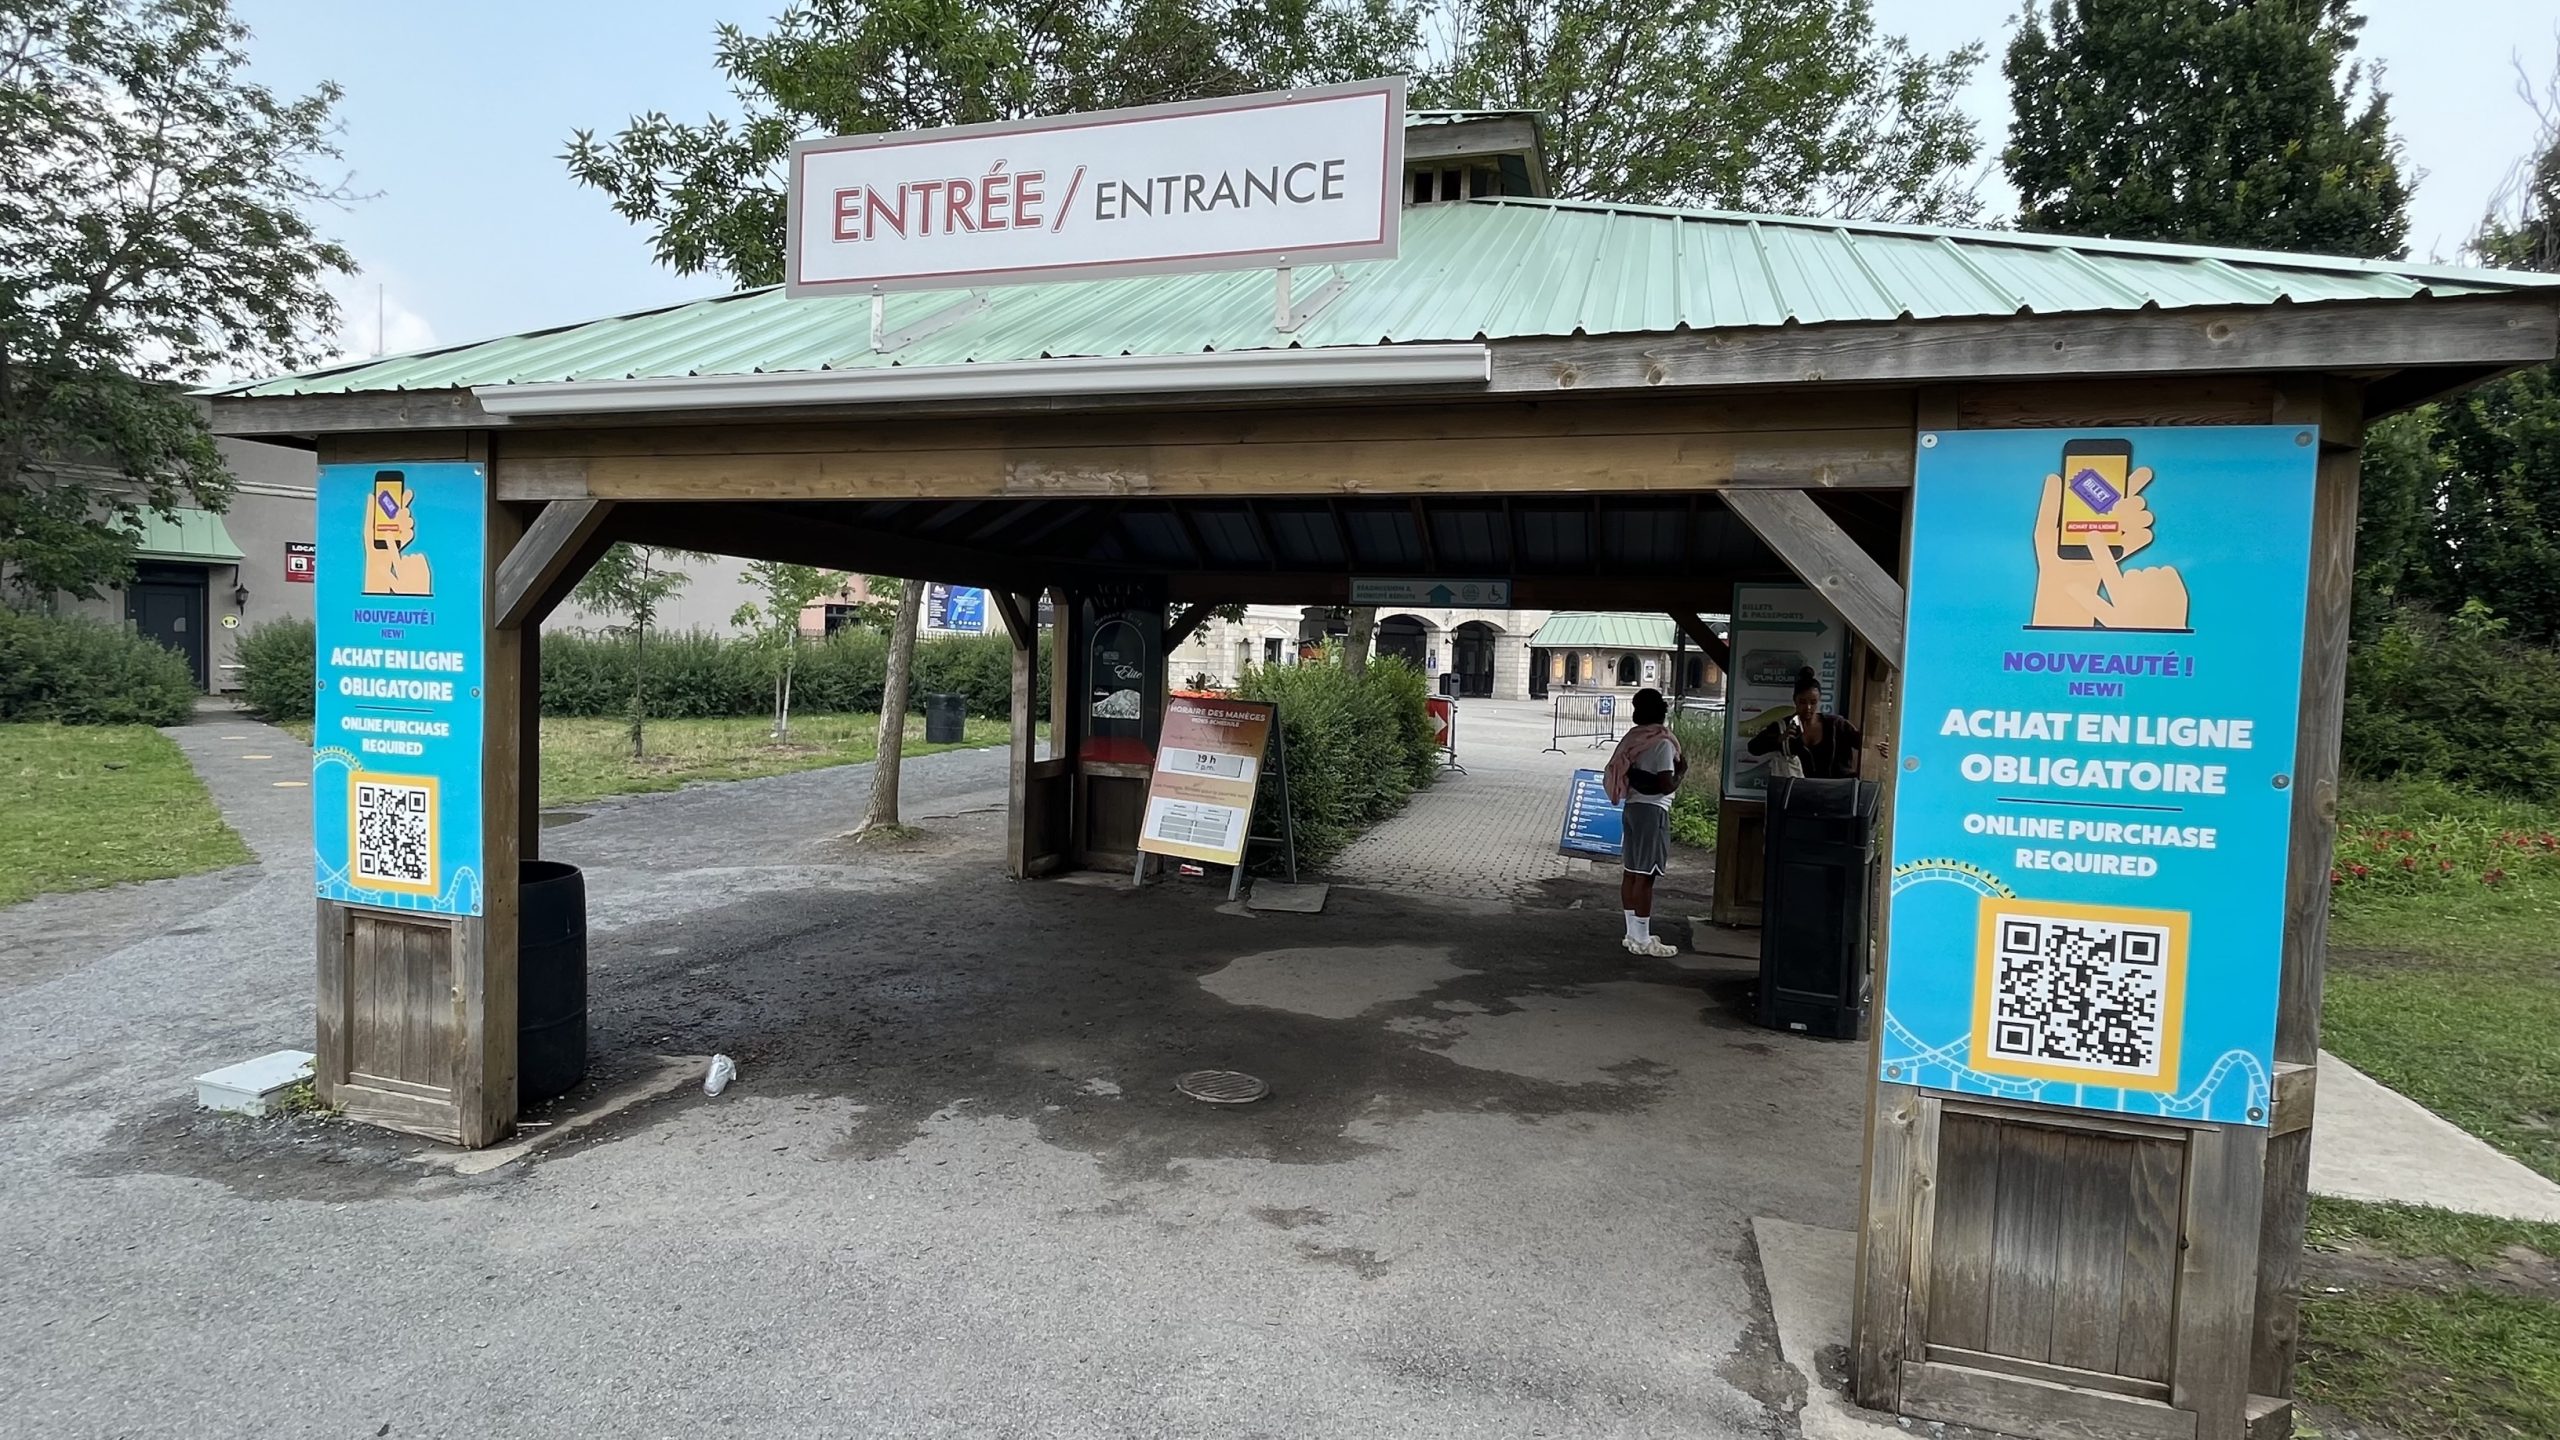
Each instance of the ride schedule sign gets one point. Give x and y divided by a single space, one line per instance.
1208 764
2089 844
395 744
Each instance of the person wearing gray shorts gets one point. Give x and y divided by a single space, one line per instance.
1643 776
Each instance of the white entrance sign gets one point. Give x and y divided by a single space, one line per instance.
1298 177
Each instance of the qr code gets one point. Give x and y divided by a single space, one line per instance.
2079 994
395 835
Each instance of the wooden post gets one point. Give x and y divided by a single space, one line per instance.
484 1089
529 741
1021 614
2338 409
1897 1203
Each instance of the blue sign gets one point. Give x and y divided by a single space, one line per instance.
395 746
1592 826
2097 747
955 610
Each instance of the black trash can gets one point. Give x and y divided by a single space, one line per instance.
551 980
1449 683
1814 922
945 718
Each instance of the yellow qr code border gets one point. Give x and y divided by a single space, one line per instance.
356 878
2173 1000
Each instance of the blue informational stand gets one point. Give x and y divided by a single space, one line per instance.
1593 827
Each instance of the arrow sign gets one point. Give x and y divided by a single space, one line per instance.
1440 595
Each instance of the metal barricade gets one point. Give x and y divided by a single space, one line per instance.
1592 717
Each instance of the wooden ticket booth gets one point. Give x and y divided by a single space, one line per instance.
1610 408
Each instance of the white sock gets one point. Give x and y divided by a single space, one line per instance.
1635 927
1644 929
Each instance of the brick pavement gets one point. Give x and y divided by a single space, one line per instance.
1489 834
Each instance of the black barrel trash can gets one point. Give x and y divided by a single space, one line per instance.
1814 922
551 980
945 717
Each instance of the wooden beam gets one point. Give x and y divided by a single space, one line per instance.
1020 615
1816 459
1703 635
2518 329
1823 554
1422 536
556 549
1191 619
2275 1322
757 533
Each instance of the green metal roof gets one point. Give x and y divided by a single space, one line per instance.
1606 630
1478 270
196 535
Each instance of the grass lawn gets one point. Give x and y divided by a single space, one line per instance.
2444 970
2437 1326
589 757
2443 983
91 805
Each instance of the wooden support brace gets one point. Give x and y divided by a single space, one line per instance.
1703 635
1020 614
1819 550
557 547
1190 620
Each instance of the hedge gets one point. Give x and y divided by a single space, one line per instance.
2454 698
77 671
1358 749
693 673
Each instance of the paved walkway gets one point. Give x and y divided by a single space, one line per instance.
1502 1185
2370 1142
1489 834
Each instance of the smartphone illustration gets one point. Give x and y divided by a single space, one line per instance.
2093 481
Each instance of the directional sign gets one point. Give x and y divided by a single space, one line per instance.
1475 594
1593 828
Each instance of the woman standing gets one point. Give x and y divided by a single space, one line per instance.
1824 746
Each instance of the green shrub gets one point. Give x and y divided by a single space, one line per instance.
1693 810
277 670
1357 749
84 672
692 673
2454 698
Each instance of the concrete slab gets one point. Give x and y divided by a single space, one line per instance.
250 1086
1286 898
668 1074
1812 1278
2371 1142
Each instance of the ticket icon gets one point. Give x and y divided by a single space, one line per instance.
2094 490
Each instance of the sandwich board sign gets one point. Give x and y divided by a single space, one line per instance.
1208 766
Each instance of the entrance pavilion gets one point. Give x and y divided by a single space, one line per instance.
1610 407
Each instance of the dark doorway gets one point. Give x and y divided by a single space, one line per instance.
1538 663
1628 670
1573 667
1472 658
166 603
1408 639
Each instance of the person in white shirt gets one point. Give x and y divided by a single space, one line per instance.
1643 775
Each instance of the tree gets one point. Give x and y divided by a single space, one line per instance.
630 582
882 817
712 194
1364 634
2207 122
1793 106
150 234
788 590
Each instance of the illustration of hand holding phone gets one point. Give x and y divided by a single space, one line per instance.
390 528
2092 516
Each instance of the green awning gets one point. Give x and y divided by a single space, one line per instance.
195 535
1605 630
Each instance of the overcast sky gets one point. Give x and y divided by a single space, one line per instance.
456 114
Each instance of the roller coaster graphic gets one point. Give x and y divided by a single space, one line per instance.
1911 1060
461 895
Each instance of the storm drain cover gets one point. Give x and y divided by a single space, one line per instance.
1222 1087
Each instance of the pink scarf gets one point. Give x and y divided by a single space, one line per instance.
1635 742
